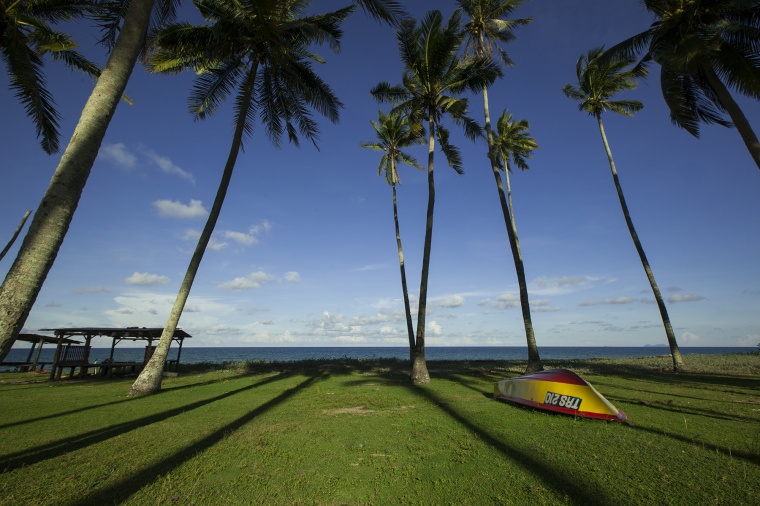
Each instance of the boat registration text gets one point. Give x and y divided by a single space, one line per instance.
564 401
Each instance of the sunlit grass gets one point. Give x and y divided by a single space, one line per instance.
357 432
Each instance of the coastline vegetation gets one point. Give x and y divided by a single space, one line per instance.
358 432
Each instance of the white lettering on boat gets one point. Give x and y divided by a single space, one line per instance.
563 401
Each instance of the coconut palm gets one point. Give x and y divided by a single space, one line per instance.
704 47
394 133
15 234
261 50
514 146
433 77
26 37
40 246
599 78
486 29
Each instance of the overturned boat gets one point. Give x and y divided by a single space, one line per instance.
558 390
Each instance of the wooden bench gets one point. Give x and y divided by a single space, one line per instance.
71 357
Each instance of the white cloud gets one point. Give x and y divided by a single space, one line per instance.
176 209
684 297
118 154
370 267
687 338
613 301
434 328
561 285
750 340
146 279
292 277
264 226
370 320
167 166
241 238
504 301
253 280
453 301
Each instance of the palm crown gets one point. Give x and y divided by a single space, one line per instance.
434 75
25 38
261 47
487 28
513 141
394 133
692 40
600 76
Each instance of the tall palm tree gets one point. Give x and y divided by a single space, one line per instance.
704 47
15 234
126 37
261 49
486 29
40 246
26 37
514 146
433 77
599 78
394 133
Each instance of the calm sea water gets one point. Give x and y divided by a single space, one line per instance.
282 354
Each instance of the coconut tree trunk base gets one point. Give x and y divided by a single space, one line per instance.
678 363
534 366
148 382
420 375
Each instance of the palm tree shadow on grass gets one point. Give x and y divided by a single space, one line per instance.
113 403
553 478
122 490
61 447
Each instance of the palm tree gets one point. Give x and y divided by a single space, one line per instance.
25 38
394 133
599 78
514 145
485 30
433 77
40 246
704 47
261 49
15 234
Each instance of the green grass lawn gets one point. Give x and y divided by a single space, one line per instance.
357 432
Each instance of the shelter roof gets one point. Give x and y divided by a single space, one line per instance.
35 338
133 333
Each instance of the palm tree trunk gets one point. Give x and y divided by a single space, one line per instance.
149 380
675 353
509 194
56 210
420 373
736 114
534 359
407 309
15 234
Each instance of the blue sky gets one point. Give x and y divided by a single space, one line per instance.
304 252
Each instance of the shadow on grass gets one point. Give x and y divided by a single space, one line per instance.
554 479
122 490
750 457
240 373
55 449
685 410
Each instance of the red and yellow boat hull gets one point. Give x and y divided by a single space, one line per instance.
558 390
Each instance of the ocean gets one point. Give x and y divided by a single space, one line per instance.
191 355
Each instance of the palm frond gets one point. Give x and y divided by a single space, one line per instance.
452 154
